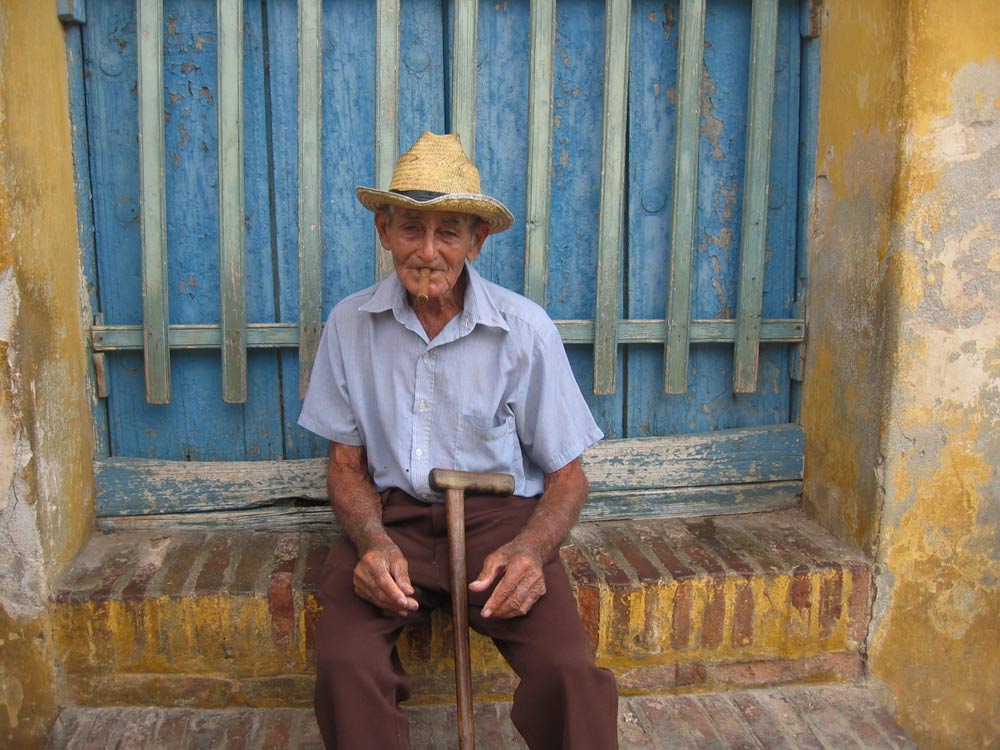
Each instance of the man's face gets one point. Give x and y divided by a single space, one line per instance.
438 240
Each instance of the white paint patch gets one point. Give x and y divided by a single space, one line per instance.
22 579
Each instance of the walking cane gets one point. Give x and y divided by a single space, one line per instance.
455 484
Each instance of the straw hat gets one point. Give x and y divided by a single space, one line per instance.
436 175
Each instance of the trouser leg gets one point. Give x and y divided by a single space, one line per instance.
564 701
359 679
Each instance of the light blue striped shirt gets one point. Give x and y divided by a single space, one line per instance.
492 392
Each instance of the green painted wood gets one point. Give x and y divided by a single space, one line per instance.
310 168
612 207
232 238
463 73
764 33
539 187
617 469
386 109
152 200
681 502
286 335
684 223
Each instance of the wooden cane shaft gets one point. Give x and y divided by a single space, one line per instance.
455 510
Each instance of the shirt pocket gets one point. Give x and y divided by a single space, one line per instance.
494 448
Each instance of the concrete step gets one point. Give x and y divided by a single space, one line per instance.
225 618
843 717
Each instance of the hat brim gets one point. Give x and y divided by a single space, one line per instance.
497 216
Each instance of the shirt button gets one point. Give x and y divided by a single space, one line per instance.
420 452
427 357
422 405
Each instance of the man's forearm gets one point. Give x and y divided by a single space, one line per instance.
354 498
557 511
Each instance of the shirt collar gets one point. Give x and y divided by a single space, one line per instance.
479 307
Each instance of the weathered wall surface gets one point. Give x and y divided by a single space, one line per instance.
46 445
849 264
902 395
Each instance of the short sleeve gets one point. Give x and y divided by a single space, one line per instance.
327 409
555 425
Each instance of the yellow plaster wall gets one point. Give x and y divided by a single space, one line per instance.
902 394
849 266
46 437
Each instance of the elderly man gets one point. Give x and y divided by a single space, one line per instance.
437 367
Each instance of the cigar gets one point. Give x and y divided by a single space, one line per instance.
423 294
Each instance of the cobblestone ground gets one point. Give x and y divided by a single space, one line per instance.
791 718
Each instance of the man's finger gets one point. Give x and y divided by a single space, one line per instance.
492 567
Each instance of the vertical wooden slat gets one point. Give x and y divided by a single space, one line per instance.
232 237
613 179
463 73
764 23
684 222
155 318
310 165
386 108
539 186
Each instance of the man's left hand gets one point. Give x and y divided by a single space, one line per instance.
519 567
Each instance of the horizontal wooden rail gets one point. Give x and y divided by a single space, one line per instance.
625 475
282 335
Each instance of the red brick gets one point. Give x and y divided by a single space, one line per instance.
588 597
274 730
801 589
680 632
743 614
280 596
713 621
727 721
698 724
802 736
171 732
830 607
753 547
628 547
115 567
699 555
783 671
607 567
667 556
668 723
704 530
254 565
765 728
148 567
653 678
240 730
178 566
859 601
847 707
207 730
690 674
216 562
315 548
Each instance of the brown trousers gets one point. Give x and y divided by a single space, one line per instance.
564 701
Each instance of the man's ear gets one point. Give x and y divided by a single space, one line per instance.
382 227
482 232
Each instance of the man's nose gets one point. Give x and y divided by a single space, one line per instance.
427 248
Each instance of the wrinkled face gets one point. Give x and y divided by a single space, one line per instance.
438 240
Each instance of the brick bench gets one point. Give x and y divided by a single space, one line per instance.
225 617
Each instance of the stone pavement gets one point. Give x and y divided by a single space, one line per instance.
840 717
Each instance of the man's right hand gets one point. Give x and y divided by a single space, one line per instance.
382 577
